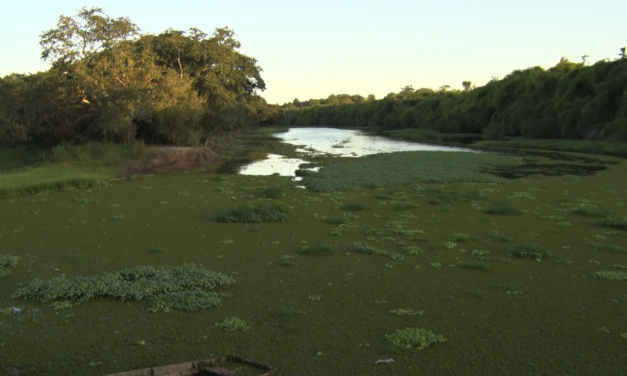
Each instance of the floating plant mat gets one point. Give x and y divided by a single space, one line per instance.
407 167
168 287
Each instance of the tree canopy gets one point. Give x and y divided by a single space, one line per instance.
110 82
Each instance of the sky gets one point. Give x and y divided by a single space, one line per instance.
311 49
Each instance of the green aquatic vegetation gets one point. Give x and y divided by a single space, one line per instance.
135 283
413 338
317 250
406 168
461 237
7 261
286 260
552 217
450 245
500 237
608 248
73 259
619 266
117 217
389 266
412 250
86 200
617 222
189 301
581 210
273 192
478 252
259 211
526 250
154 249
406 312
502 208
436 264
523 195
403 206
228 241
354 207
564 224
233 324
610 276
366 249
474 265
336 220
395 256
287 314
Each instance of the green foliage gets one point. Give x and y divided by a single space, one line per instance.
407 168
7 261
589 212
335 220
273 192
525 250
135 283
616 222
474 265
233 324
502 208
608 248
317 250
413 338
610 276
354 207
406 312
258 211
189 301
86 200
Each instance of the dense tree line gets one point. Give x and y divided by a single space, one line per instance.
570 100
110 82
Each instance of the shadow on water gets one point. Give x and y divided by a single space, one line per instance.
529 169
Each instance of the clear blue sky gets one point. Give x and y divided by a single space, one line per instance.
310 49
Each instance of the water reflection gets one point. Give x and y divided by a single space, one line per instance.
317 141
350 143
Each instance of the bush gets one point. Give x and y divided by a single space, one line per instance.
261 211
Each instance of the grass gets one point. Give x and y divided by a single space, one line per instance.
136 283
413 339
259 211
317 250
578 146
502 208
407 168
525 250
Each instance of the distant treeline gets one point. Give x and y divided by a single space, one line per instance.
109 82
570 101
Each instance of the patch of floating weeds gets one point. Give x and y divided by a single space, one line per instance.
500 237
474 265
153 249
260 211
389 266
336 220
523 195
478 252
317 250
406 312
502 208
412 250
286 260
436 264
525 250
564 224
450 245
189 301
461 237
273 192
74 259
617 222
118 217
85 200
589 212
232 324
619 266
608 248
610 276
413 338
287 314
552 217
354 207
135 283
7 261
403 206
228 241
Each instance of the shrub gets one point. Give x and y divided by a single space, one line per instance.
260 211
525 250
7 261
413 338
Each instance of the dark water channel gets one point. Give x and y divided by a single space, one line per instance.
284 153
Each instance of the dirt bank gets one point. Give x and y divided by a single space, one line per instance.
161 159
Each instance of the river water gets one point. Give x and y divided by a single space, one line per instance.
313 141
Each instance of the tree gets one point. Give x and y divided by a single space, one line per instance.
622 52
467 85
